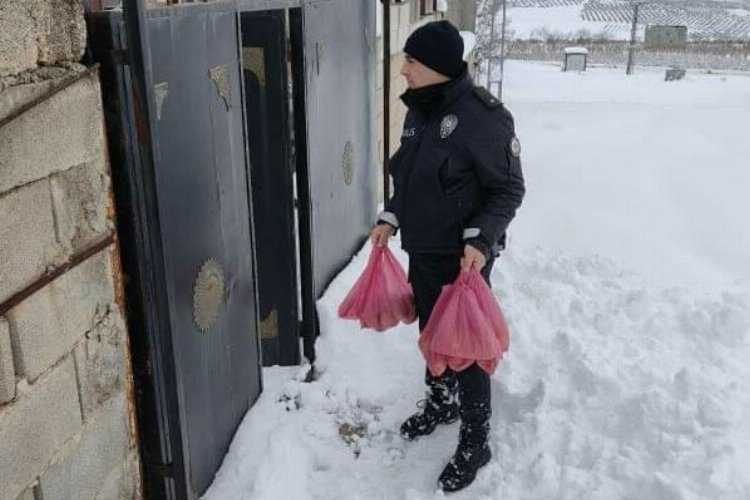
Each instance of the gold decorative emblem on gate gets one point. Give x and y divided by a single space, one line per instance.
254 60
220 76
161 90
269 326
347 163
208 295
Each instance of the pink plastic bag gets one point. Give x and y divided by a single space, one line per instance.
382 297
466 326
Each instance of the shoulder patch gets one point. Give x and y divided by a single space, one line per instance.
515 147
489 100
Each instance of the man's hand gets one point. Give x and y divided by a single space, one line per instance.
473 259
380 234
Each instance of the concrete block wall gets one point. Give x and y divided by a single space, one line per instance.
66 427
36 32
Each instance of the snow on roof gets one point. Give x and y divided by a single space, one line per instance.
470 41
576 50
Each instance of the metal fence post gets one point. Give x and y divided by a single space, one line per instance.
631 48
386 98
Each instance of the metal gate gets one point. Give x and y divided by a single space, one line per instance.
340 60
185 205
187 224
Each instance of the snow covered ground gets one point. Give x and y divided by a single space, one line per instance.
627 290
653 174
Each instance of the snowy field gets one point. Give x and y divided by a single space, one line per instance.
566 22
611 19
627 290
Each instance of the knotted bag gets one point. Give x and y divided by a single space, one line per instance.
466 326
382 297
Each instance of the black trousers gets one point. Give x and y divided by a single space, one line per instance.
428 273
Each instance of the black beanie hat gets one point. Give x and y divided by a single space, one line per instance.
439 46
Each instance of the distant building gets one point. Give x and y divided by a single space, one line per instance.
666 36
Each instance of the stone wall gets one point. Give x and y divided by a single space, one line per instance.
66 430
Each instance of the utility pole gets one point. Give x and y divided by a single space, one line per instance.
631 48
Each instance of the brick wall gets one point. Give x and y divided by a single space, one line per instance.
65 412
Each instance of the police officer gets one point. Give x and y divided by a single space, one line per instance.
457 185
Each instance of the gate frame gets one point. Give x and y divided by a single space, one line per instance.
309 328
160 429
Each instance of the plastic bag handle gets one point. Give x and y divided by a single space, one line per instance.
376 251
466 277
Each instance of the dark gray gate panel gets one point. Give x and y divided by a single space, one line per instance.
203 206
339 52
264 49
196 336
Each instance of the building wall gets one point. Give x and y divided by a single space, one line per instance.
66 426
463 13
665 36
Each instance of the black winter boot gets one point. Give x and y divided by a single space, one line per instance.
473 451
440 407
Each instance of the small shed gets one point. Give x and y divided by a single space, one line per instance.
575 59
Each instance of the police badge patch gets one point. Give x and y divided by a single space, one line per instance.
515 147
448 125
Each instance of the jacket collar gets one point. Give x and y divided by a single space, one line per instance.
456 89
435 99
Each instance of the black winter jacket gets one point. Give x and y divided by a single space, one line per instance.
457 175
